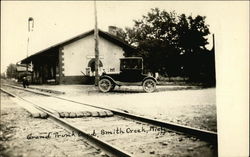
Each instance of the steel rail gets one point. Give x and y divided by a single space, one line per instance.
205 135
27 89
6 92
105 146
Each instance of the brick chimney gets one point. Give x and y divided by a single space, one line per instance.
113 30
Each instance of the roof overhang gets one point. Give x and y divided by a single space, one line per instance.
103 34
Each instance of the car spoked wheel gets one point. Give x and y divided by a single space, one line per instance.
149 85
105 85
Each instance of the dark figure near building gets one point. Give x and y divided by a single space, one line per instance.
25 82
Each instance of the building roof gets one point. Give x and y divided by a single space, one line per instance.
103 34
23 68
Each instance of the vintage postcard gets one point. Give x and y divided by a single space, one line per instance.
124 78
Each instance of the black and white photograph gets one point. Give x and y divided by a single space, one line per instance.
124 79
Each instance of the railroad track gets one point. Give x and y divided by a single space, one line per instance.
146 130
109 149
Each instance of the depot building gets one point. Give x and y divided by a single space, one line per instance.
73 61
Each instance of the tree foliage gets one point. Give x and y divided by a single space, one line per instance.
171 44
11 71
3 75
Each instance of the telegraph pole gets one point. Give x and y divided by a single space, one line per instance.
213 44
30 29
96 47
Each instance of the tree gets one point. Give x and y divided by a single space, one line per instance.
11 71
169 43
3 75
192 33
121 34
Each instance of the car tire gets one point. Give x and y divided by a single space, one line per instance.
105 85
113 87
149 85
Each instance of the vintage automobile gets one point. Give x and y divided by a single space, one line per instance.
131 74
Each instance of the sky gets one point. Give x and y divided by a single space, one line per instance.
56 21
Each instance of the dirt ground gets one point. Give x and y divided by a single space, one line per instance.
24 136
186 105
191 106
144 140
19 138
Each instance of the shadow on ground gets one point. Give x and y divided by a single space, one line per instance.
131 90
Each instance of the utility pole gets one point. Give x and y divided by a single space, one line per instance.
30 29
213 44
96 36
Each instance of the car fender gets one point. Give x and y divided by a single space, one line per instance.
108 77
149 77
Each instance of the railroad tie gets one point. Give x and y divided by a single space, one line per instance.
81 112
86 113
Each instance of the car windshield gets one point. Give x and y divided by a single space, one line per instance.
131 64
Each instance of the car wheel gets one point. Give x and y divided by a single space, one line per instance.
105 85
113 87
149 85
